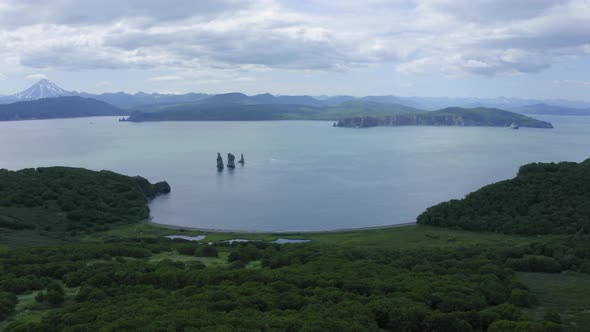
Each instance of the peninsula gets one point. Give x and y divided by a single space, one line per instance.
453 116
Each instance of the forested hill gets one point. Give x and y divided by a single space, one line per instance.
454 116
544 198
60 107
236 111
72 198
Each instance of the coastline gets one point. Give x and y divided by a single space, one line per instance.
213 230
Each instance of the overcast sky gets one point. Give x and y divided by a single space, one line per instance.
471 48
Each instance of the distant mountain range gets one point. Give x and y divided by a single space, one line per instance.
248 109
511 104
155 102
544 109
141 99
47 89
58 107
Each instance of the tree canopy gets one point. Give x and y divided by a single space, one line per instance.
73 198
544 198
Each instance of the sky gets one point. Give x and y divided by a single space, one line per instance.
454 48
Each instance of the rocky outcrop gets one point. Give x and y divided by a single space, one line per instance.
242 161
231 160
410 120
219 161
161 187
152 190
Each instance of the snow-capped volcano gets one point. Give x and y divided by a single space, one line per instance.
42 89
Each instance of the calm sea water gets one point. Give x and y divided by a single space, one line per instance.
299 175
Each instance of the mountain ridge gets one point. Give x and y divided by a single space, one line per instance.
546 109
142 101
57 107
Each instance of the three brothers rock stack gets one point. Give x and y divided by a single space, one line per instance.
219 161
230 161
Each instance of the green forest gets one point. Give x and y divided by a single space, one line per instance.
109 271
73 199
544 198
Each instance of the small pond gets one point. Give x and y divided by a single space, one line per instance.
186 237
285 241
231 241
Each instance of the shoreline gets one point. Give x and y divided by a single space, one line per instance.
339 230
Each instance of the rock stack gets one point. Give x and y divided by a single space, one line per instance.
220 161
230 160
241 161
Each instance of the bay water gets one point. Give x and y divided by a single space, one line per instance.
298 175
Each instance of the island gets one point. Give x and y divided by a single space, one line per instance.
453 116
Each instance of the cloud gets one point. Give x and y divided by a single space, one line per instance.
36 77
103 84
16 13
448 37
577 83
488 11
165 78
2 77
245 79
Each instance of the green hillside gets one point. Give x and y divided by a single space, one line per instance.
248 112
454 116
544 198
59 107
72 199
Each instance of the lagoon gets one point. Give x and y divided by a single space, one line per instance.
299 175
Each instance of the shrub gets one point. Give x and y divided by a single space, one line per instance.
534 263
7 304
522 298
206 251
552 316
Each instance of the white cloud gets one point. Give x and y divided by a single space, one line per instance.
577 83
103 84
165 78
16 13
449 37
245 79
36 77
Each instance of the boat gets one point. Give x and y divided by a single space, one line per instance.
514 125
